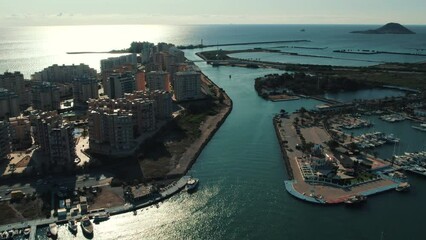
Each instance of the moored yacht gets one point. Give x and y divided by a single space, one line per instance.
102 216
86 225
403 187
191 185
53 230
356 199
72 226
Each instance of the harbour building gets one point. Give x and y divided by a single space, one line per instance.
9 104
84 88
187 86
45 96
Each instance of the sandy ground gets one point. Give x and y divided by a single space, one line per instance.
106 199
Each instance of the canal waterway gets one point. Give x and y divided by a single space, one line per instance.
241 172
242 193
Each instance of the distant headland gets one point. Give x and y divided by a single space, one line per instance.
390 28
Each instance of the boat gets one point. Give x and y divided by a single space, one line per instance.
191 185
403 187
72 226
27 231
422 127
5 235
86 225
53 230
102 216
356 199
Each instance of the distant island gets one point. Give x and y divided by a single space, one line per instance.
390 28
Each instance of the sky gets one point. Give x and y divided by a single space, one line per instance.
76 12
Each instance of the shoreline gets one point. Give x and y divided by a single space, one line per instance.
186 161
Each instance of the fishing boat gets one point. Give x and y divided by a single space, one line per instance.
72 226
102 216
191 185
403 187
86 225
355 200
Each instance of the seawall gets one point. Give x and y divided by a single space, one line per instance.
283 151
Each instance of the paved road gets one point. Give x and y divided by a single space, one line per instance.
46 184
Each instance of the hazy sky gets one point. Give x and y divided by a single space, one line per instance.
65 12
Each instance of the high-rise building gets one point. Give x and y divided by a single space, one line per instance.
142 110
64 73
163 103
20 133
110 130
83 89
55 138
187 86
114 62
140 80
15 82
45 96
9 104
146 50
61 143
119 84
40 122
5 146
158 81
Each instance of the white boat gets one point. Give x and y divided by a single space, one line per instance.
72 226
101 216
53 230
5 235
191 185
86 225
27 231
422 127
356 199
403 187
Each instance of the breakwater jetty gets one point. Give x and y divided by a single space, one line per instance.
240 44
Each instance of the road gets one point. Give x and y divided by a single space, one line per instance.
46 184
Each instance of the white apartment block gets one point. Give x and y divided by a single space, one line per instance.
187 86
